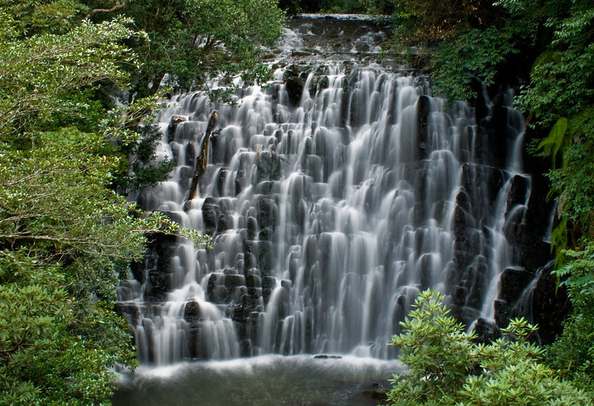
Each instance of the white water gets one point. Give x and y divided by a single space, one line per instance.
327 217
270 380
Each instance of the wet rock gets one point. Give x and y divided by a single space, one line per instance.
252 227
240 181
458 295
512 282
130 311
266 234
486 331
158 285
246 348
494 143
503 311
229 271
190 155
520 186
172 127
423 110
267 212
185 176
265 256
294 85
550 305
325 356
138 270
268 285
156 262
232 281
425 271
175 150
149 331
192 313
221 178
214 281
194 343
211 212
253 280
494 184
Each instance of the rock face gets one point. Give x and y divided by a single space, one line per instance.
333 197
155 273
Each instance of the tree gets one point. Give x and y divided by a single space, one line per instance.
40 16
190 41
454 41
447 368
65 235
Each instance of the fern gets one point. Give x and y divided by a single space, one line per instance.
556 141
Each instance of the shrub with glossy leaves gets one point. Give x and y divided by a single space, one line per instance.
446 367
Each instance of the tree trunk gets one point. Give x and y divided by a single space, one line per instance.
201 160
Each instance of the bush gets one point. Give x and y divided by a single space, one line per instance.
447 368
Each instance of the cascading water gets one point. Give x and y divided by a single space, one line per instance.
333 195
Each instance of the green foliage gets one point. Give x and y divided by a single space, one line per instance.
39 74
556 141
561 95
342 6
474 52
447 368
420 21
436 350
562 78
572 354
454 41
555 37
65 235
143 167
189 41
42 362
580 268
41 16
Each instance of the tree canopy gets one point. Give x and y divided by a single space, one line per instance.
69 140
190 41
546 48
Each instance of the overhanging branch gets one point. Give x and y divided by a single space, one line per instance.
106 10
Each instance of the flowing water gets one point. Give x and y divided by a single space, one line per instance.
333 196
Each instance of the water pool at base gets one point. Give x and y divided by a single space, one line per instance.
268 380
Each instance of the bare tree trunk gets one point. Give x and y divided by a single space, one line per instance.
107 10
201 160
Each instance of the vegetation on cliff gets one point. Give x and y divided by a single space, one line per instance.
69 138
545 49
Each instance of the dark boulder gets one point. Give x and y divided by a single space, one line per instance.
172 127
512 282
294 85
486 331
423 110
211 213
192 313
550 305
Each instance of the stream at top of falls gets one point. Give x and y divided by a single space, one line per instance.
333 195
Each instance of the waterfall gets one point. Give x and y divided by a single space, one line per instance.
333 195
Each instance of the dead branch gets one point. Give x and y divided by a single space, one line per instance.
201 160
106 10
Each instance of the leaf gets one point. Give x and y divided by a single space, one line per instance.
556 140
